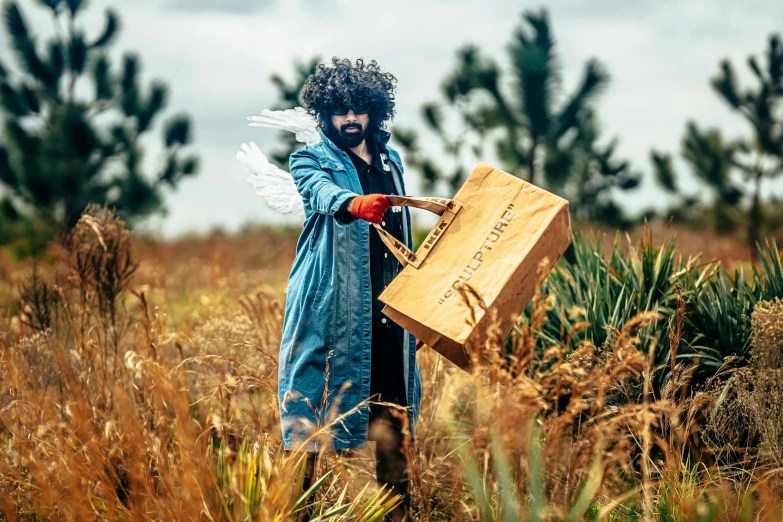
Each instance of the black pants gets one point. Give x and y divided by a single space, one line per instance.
385 424
391 461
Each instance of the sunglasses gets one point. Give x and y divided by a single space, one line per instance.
357 108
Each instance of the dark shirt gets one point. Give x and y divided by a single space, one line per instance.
375 179
387 367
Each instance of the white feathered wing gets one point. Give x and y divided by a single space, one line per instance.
269 181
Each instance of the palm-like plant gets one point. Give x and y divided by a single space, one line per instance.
607 289
598 292
718 320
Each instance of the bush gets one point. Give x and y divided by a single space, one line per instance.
596 293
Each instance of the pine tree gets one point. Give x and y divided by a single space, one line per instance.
72 125
539 132
721 164
762 107
711 159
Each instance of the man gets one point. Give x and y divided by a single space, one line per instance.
336 343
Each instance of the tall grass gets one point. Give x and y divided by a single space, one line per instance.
146 388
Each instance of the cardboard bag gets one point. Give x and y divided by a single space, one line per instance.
491 236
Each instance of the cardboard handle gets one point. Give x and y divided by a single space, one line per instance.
447 209
435 205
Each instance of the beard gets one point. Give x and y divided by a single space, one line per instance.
345 139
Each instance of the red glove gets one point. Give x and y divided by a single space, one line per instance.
370 208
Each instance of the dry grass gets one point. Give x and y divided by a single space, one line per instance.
749 413
120 382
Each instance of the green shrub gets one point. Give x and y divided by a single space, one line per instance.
606 291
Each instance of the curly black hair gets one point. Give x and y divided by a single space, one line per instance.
345 84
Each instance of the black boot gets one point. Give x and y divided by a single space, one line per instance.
391 462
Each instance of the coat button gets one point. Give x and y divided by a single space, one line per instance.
366 309
366 333
366 285
364 261
366 357
364 236
383 320
385 254
383 223
364 381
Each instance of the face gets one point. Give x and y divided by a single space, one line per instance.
350 127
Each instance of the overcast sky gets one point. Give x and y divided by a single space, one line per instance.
217 57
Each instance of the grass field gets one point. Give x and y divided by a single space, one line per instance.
138 381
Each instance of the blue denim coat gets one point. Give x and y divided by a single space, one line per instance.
328 307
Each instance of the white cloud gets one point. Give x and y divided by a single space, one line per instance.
235 6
